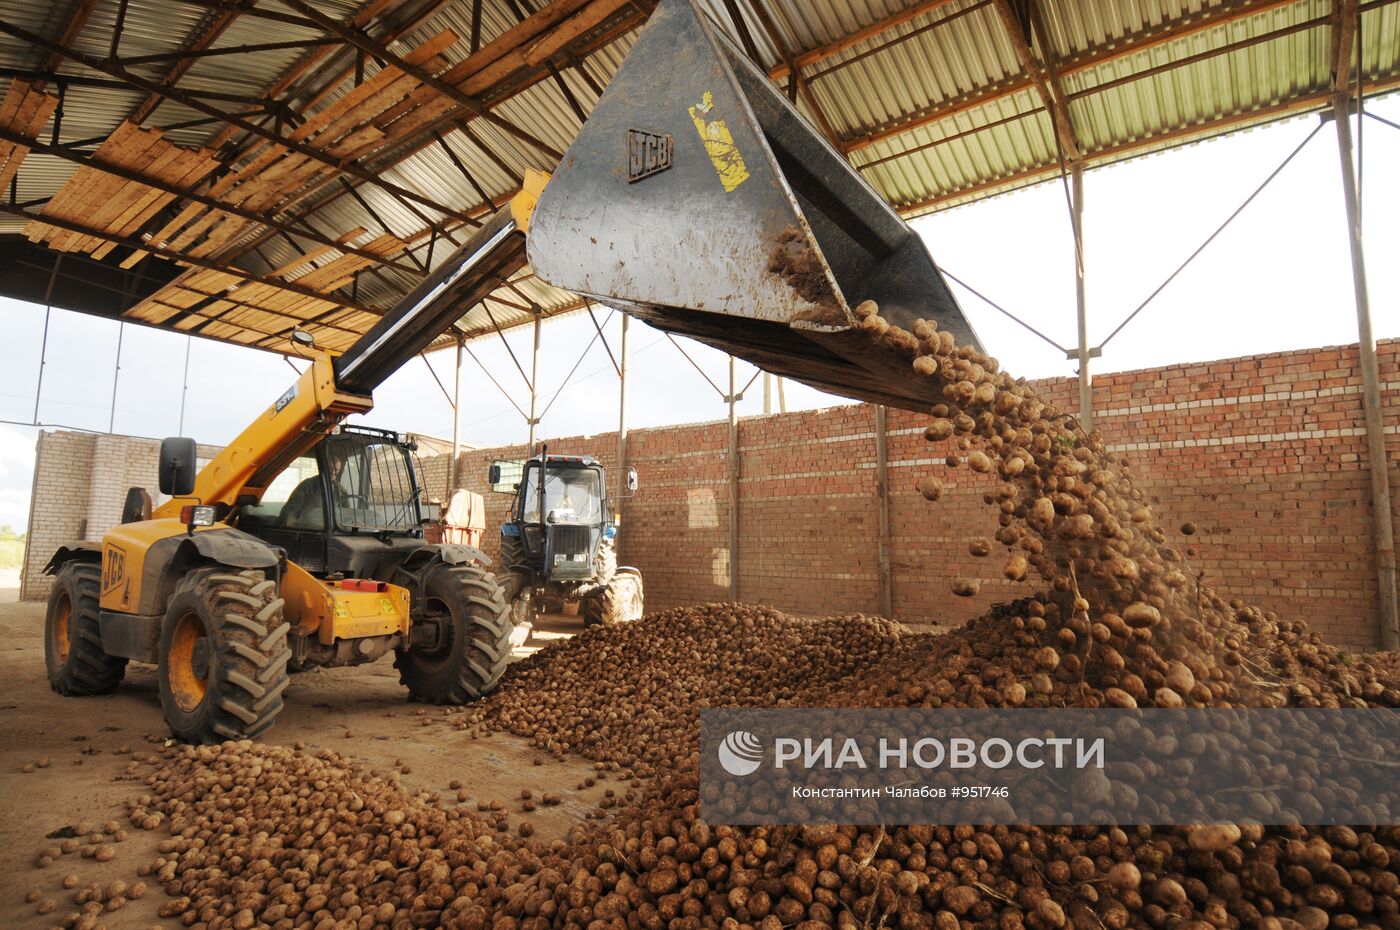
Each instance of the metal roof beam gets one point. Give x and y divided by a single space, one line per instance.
797 84
248 9
343 165
361 41
1343 20
821 53
186 192
1144 40
458 121
137 245
1020 35
293 73
899 39
1314 100
224 50
72 27
81 80
199 40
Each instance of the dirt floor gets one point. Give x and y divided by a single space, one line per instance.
78 749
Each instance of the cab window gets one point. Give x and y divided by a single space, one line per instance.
571 495
293 501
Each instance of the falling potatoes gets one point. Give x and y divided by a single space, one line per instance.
323 843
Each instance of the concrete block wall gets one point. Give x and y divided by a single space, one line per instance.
1266 454
80 485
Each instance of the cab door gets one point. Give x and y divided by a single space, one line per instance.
293 514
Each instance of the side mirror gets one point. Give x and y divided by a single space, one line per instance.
631 479
493 475
179 460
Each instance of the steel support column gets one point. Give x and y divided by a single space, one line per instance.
622 417
534 383
116 377
1086 391
882 493
733 484
185 385
1381 520
453 472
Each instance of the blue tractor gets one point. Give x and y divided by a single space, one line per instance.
559 544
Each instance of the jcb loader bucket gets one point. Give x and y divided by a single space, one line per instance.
697 198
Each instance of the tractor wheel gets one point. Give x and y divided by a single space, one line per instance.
474 644
522 617
72 638
515 583
223 656
605 563
619 601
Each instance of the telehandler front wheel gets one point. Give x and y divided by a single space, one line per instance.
72 638
223 656
473 641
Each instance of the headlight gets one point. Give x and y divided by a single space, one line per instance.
201 515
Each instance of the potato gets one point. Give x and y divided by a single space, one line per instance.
262 835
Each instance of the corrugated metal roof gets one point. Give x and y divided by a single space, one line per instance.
935 110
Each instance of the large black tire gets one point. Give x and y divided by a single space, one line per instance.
515 583
619 601
605 563
72 638
223 656
474 645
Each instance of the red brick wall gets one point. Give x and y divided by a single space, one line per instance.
1265 453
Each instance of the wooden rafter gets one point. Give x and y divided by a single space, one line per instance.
474 106
531 30
186 191
343 164
796 82
207 264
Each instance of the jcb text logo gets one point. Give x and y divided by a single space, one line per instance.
113 568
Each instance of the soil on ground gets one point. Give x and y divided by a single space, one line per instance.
84 746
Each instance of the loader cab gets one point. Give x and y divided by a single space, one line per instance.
346 506
562 513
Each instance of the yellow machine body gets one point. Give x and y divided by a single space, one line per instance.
330 610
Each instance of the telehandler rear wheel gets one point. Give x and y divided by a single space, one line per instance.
473 642
223 656
72 637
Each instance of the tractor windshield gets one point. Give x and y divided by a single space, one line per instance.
371 483
571 495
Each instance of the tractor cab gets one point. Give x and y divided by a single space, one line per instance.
345 507
561 515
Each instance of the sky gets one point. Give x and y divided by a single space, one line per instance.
1278 278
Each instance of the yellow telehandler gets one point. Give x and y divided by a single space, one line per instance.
695 198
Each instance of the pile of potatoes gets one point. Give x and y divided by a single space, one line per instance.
263 836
